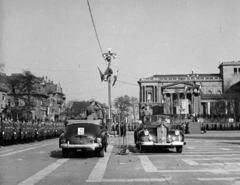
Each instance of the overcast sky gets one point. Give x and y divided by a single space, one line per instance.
56 38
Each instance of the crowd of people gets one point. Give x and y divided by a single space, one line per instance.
14 132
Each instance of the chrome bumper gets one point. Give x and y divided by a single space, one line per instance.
91 146
174 143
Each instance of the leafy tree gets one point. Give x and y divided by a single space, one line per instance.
122 105
24 87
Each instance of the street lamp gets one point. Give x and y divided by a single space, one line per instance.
108 57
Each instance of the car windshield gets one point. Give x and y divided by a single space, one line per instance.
154 119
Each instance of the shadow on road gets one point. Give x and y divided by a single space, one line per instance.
81 155
151 150
232 143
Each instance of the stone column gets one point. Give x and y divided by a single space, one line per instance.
208 108
192 101
144 95
226 107
140 94
159 95
171 103
153 94
156 95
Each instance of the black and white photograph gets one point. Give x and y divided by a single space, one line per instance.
119 92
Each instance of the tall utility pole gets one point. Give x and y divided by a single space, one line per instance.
108 57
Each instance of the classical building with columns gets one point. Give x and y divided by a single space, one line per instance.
190 93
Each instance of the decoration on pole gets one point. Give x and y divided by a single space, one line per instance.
115 78
106 76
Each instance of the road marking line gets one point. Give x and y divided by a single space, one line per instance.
133 180
100 168
19 147
222 152
225 149
41 174
3 155
147 164
190 161
219 179
6 151
215 171
195 155
189 147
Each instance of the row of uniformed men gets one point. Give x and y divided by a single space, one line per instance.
12 132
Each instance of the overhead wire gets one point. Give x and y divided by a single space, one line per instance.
89 7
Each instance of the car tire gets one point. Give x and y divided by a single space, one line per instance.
142 149
101 152
64 152
179 149
137 145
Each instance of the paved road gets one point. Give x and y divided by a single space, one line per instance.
207 159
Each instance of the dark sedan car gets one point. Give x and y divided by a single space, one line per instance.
83 135
155 131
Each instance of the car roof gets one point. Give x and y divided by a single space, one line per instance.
73 121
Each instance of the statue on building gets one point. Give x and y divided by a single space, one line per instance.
167 104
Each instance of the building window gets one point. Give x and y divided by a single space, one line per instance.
209 92
238 70
235 71
3 97
219 92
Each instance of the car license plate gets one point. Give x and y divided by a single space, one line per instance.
80 131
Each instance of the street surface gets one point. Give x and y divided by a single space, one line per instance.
207 159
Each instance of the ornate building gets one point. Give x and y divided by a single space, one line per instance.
190 93
47 99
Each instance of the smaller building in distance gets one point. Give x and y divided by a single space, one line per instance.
199 94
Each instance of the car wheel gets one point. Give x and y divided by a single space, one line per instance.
64 152
137 145
101 152
142 148
179 149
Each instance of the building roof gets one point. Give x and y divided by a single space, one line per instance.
185 77
232 63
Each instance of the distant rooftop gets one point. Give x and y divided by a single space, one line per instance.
185 77
232 63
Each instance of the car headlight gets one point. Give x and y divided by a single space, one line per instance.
146 133
173 138
150 138
177 132
99 140
14 133
63 140
169 138
2 133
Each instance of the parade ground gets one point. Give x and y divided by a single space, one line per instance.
207 159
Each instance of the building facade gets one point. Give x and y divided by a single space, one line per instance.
47 99
190 93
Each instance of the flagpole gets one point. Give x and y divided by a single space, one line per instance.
109 102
